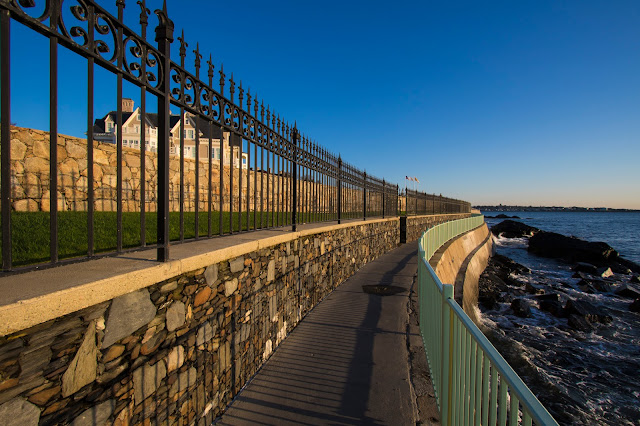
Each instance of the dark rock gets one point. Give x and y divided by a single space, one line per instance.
603 286
554 307
605 272
489 300
634 279
506 266
585 267
632 266
635 306
618 268
521 308
514 281
490 287
550 296
590 312
571 249
628 291
586 287
583 276
513 229
531 289
580 323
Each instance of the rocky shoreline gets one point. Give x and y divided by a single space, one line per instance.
546 326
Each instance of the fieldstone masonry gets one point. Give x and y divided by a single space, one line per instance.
30 179
178 351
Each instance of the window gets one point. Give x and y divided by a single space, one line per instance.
137 129
190 134
109 127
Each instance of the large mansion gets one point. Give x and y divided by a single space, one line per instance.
105 130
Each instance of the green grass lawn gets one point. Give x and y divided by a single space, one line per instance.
30 231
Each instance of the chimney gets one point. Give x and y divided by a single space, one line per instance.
127 105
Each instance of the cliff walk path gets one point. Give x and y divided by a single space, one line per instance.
352 360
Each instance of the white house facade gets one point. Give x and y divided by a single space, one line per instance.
105 130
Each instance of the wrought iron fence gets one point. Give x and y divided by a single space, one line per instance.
418 203
250 168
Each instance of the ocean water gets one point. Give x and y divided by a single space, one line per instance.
581 377
621 230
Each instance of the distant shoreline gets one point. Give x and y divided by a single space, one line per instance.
551 209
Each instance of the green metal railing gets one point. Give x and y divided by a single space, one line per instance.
473 384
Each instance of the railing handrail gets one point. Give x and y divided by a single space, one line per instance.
453 383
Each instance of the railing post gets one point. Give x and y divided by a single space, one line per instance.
5 137
447 349
397 198
164 37
364 196
384 194
294 178
339 188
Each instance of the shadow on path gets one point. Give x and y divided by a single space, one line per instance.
346 362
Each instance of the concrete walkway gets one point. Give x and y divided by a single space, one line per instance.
347 362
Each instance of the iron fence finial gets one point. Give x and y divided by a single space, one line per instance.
198 57
164 30
144 14
211 67
222 78
232 86
183 47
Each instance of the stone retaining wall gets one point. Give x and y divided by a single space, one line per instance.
178 351
31 187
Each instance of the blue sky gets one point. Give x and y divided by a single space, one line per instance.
528 102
